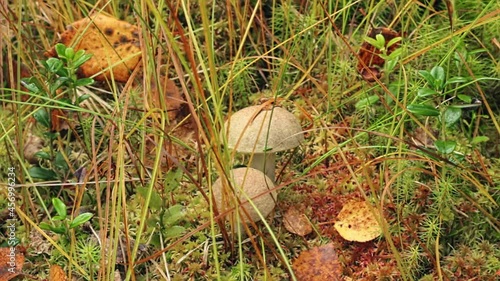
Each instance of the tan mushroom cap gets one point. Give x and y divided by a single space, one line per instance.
255 185
249 130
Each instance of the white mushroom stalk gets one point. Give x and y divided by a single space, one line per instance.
262 132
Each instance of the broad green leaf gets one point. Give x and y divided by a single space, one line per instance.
60 50
425 92
60 208
366 102
80 219
423 110
43 155
60 162
53 64
451 115
173 215
439 77
380 41
155 202
464 98
84 82
427 76
172 180
69 53
174 231
42 173
445 147
42 117
479 139
58 230
81 60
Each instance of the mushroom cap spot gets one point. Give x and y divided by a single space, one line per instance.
357 223
254 184
248 130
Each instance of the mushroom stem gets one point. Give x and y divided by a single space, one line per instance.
264 162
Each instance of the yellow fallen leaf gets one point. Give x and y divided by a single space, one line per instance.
357 223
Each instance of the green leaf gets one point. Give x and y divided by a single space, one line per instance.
374 42
479 139
366 102
42 173
42 117
451 115
423 110
53 64
60 50
58 230
80 219
82 98
84 82
174 231
445 147
172 180
464 98
425 92
395 54
81 60
173 215
69 53
456 80
53 87
394 41
43 155
32 87
60 207
156 201
60 162
380 41
439 77
427 76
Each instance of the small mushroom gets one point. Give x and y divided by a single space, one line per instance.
263 132
248 184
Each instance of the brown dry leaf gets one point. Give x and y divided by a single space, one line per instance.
32 145
11 262
296 222
422 139
318 264
357 223
113 43
56 273
172 97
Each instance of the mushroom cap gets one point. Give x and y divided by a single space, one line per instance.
248 130
254 184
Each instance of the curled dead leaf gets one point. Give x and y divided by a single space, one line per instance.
296 222
318 264
113 44
357 223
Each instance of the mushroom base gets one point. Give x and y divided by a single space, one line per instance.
264 162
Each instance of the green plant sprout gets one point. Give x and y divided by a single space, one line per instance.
57 87
61 223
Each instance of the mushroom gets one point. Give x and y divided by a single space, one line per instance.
249 184
263 132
